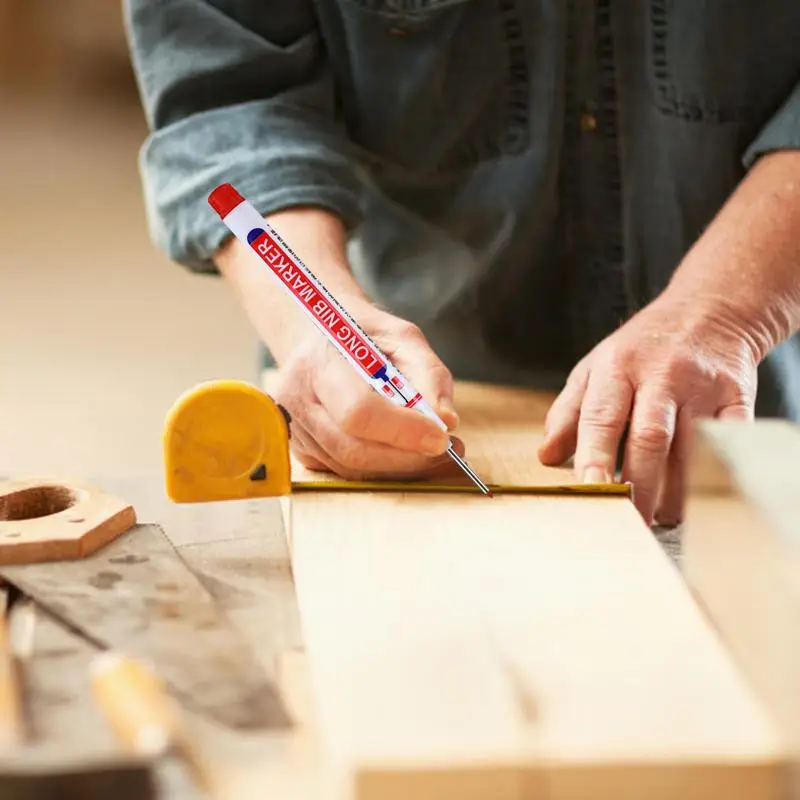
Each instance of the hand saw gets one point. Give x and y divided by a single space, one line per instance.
228 440
137 595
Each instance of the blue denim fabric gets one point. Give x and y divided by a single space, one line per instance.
518 176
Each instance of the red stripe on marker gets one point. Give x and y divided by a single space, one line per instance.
414 400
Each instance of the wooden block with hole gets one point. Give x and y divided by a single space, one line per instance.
520 648
50 520
742 556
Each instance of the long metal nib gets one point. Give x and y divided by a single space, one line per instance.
469 472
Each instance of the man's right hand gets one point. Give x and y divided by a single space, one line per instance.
339 423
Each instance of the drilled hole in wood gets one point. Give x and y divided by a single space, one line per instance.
35 502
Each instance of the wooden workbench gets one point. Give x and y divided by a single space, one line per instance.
239 551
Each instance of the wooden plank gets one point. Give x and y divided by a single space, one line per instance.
742 556
521 647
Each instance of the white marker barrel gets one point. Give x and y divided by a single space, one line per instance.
250 228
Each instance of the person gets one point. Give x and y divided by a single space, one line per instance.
600 199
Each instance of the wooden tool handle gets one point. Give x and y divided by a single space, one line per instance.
134 704
144 718
11 720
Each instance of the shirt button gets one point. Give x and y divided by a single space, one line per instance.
588 122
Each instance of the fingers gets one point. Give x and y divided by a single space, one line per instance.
355 458
431 378
361 414
561 424
309 453
603 416
652 430
345 427
670 507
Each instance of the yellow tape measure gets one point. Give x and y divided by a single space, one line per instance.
228 440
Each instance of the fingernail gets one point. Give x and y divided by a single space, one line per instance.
434 444
596 475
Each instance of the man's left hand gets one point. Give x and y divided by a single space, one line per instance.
676 360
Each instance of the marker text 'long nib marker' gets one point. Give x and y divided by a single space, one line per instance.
358 349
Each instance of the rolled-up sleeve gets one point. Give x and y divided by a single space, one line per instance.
234 91
782 132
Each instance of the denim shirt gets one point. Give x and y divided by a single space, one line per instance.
518 177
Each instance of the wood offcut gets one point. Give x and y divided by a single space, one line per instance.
742 556
42 521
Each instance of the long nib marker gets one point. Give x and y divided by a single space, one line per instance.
247 225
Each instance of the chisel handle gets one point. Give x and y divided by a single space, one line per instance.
12 729
143 716
134 704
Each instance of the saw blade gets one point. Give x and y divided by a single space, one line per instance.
137 595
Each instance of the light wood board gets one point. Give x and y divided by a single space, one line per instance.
521 647
742 556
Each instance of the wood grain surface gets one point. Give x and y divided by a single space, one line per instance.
520 647
536 647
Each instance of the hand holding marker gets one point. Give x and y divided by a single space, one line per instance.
247 225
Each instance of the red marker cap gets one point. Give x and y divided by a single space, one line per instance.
224 199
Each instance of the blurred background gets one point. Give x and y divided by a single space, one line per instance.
99 332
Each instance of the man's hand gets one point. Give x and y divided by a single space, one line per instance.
672 362
693 352
339 423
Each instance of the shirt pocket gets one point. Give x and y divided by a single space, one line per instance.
723 61
435 86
